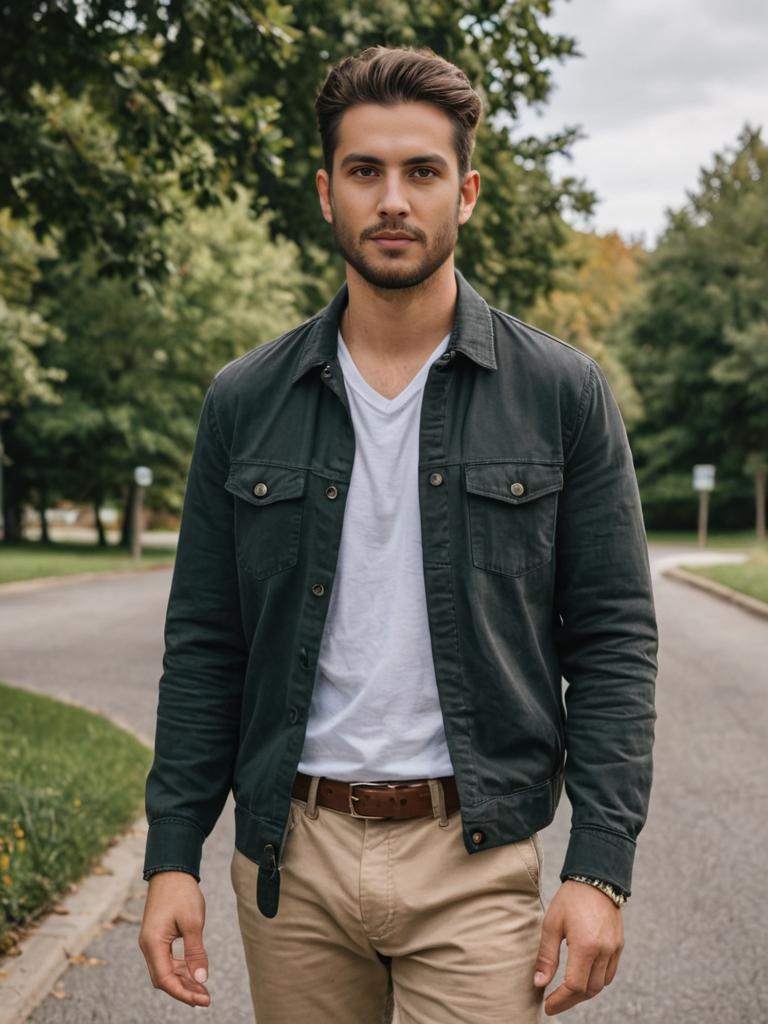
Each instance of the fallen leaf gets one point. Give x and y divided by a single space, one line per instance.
59 910
101 870
59 993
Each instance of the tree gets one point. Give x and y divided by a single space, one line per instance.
597 276
217 92
697 341
137 366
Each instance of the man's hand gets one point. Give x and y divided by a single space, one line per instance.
592 926
175 908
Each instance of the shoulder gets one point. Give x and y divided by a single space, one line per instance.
539 348
269 358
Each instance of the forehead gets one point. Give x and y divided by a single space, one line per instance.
395 132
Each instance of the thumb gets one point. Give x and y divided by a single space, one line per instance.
548 956
195 956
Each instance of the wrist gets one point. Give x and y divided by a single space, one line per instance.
613 893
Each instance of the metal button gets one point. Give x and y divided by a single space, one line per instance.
436 479
331 492
478 837
318 589
260 489
517 488
326 371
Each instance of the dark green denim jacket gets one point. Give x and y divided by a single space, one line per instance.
535 567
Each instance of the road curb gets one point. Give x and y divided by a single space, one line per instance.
40 582
749 604
44 955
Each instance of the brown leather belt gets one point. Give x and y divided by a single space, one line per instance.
379 799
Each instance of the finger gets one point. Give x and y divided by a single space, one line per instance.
596 981
613 966
548 956
164 976
573 988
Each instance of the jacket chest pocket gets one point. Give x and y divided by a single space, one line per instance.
512 514
268 515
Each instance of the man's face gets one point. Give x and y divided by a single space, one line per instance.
395 170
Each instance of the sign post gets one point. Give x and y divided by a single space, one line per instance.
703 482
142 477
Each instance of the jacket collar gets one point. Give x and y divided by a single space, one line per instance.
472 331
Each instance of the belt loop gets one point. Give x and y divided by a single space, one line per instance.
438 801
311 809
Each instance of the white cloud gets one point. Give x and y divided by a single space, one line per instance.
660 89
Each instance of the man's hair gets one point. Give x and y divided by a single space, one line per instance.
384 75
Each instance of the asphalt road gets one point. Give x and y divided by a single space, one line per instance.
697 942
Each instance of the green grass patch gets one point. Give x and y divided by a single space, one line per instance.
70 781
750 578
30 560
743 540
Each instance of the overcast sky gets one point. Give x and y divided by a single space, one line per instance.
662 86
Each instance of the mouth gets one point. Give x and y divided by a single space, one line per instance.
393 241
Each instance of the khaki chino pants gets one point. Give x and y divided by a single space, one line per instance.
379 911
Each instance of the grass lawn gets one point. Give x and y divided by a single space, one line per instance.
30 560
750 578
69 782
742 540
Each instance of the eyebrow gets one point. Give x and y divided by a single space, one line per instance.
363 158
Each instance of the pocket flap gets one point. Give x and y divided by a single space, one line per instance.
262 483
515 482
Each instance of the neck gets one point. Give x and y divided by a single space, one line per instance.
396 323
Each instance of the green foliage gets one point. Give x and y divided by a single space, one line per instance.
23 331
212 93
137 365
57 815
696 340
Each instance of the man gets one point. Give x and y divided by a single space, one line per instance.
405 520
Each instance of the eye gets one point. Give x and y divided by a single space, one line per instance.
427 169
357 169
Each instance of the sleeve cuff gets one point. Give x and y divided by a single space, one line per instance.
173 844
597 853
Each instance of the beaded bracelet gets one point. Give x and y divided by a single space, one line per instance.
618 897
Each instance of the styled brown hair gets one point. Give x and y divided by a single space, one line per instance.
385 75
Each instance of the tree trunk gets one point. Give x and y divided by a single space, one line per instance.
42 506
99 525
12 513
125 536
760 475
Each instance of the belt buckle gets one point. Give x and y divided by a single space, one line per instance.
368 785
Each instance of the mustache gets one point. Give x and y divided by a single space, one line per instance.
417 235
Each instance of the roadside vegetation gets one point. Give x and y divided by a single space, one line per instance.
28 560
750 578
70 781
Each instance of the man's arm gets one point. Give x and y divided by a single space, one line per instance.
198 719
607 642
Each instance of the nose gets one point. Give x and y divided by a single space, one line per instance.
392 203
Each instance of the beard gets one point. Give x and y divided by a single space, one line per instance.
397 268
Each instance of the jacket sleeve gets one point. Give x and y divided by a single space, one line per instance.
198 714
607 641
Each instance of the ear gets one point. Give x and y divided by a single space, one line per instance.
323 184
470 190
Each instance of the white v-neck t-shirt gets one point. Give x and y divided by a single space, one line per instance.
375 712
